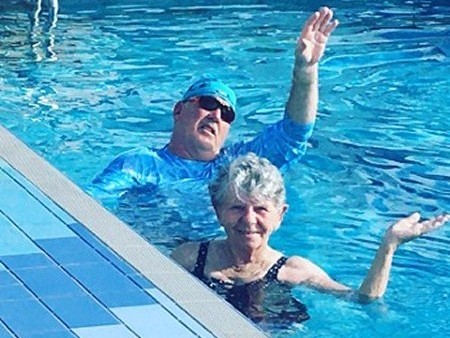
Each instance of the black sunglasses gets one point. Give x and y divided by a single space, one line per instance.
211 103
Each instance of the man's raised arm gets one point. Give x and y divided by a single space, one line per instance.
304 95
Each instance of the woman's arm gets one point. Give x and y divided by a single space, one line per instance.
408 228
299 270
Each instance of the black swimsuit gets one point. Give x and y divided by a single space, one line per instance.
249 297
199 268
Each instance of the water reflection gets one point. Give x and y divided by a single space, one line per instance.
43 17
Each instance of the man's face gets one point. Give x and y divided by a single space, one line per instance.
199 133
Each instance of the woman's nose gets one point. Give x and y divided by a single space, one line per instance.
249 216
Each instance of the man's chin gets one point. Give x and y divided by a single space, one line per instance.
207 153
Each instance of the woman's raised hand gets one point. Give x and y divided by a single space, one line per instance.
411 227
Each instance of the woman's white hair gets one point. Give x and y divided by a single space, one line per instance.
249 177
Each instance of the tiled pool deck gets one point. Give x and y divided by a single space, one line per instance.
68 268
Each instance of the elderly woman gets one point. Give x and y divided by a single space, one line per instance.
249 199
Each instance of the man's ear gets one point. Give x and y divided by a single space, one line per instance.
177 109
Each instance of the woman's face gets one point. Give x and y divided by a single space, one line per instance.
249 223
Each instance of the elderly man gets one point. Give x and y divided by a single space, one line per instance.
203 117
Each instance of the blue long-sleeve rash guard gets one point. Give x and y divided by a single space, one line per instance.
148 168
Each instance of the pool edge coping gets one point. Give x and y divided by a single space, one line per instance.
203 305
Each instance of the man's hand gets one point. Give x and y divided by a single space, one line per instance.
314 36
410 227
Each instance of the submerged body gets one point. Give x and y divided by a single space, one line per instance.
251 298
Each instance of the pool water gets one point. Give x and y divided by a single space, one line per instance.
103 76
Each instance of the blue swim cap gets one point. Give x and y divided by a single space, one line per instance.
210 86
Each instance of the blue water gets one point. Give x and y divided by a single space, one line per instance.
104 76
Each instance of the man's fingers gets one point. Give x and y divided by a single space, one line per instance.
324 19
330 27
321 21
310 23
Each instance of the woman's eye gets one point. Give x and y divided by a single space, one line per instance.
261 209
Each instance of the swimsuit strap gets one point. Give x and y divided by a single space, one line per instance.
199 268
271 275
201 260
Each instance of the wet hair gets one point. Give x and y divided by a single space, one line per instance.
249 177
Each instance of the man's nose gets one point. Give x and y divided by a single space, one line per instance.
215 114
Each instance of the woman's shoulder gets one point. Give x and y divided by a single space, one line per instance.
186 254
297 261
297 270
